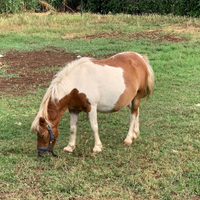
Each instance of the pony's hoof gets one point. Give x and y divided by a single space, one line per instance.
138 133
69 149
97 149
127 141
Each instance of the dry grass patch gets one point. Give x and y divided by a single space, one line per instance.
69 25
156 35
193 31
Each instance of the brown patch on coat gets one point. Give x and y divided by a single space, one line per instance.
52 110
75 101
135 76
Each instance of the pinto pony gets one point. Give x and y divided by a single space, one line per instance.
91 85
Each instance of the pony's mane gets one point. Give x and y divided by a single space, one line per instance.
56 88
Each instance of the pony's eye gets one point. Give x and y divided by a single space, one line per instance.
41 136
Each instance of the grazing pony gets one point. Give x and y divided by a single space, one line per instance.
91 85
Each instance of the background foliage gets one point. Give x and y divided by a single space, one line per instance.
176 7
16 6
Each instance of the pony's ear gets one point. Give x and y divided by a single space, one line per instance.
42 121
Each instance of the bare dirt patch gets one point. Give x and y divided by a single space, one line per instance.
156 35
159 36
33 68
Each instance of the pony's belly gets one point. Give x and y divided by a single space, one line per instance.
105 108
107 105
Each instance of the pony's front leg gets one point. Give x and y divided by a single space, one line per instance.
93 122
133 132
73 128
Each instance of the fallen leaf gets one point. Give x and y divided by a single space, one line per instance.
18 123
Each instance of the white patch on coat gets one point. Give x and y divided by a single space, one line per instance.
102 85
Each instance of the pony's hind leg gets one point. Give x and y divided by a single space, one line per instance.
133 132
93 122
73 128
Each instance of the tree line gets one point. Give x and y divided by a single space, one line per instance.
175 7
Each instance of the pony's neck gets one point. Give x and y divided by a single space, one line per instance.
55 112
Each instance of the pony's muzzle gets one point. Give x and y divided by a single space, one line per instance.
46 151
41 153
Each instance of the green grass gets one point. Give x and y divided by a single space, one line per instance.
163 163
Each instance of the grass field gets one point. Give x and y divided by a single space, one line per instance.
163 163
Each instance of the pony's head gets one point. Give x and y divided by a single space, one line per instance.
46 126
46 137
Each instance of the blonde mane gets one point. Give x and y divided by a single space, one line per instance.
56 87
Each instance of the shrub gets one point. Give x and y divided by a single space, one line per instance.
176 7
106 6
16 6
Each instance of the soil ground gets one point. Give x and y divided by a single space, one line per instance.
34 69
26 71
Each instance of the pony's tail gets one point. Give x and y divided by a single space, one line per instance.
150 80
